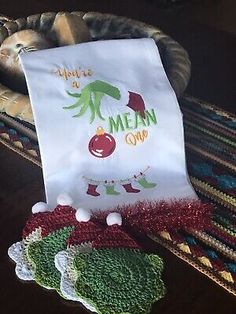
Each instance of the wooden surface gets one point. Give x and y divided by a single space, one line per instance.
212 52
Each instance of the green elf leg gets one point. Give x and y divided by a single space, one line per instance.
141 179
110 189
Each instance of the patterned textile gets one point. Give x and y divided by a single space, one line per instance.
210 149
211 154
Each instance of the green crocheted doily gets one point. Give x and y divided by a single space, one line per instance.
119 281
41 254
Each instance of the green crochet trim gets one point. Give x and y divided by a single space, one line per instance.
41 254
119 281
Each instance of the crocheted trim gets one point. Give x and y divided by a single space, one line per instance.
23 268
17 252
151 217
145 216
115 237
60 217
119 280
85 232
41 254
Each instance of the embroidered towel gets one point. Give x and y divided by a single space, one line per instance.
108 123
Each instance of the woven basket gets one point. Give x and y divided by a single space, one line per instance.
102 26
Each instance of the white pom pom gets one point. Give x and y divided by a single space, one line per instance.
83 215
114 219
64 199
40 207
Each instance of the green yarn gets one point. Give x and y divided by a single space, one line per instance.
41 254
119 281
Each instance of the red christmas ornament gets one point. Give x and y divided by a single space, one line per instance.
102 144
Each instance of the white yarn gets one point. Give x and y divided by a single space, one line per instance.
40 207
83 215
64 199
69 275
114 219
23 268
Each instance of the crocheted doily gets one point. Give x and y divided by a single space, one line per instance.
17 252
37 249
41 255
64 262
119 280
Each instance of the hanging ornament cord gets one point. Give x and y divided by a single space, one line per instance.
137 177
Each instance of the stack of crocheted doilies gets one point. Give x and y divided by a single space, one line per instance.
88 261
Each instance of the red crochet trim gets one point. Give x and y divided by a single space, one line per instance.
146 217
85 232
115 237
62 216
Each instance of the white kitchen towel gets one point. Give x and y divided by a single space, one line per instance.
108 123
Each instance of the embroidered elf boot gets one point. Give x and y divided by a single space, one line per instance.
110 189
141 179
92 190
129 189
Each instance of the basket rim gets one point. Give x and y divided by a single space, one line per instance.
177 66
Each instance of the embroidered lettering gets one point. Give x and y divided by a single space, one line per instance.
75 84
128 121
150 117
115 124
75 73
139 121
132 138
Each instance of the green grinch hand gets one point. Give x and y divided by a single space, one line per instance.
90 98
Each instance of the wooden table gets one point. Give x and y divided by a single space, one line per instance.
212 53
